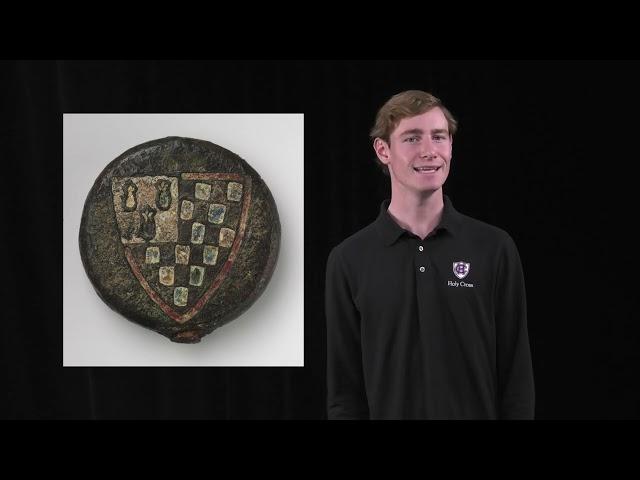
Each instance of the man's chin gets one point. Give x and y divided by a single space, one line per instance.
426 191
428 187
420 187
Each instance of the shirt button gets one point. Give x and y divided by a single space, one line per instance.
421 248
422 269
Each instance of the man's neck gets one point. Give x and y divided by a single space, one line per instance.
419 214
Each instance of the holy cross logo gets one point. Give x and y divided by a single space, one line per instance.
461 269
182 234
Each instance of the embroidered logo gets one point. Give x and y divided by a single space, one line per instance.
461 269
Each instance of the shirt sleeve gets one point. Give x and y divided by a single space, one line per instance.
346 395
516 395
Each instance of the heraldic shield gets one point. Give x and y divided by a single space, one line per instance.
181 234
461 269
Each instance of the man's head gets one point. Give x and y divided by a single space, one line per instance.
413 133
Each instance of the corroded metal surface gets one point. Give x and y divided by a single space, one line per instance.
180 236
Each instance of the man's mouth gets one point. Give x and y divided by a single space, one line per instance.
427 169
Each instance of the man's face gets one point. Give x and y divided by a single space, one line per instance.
419 153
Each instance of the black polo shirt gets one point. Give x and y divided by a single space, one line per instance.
428 329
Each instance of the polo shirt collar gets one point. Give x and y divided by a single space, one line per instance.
390 231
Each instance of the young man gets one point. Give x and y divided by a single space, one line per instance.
426 309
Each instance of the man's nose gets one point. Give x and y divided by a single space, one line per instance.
427 149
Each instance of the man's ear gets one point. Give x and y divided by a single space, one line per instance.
382 150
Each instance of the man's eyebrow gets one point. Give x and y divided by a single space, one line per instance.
413 131
419 131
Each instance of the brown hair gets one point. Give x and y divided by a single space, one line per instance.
402 105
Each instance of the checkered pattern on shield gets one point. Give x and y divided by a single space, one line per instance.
181 234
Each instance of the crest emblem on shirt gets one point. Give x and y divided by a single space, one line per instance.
461 269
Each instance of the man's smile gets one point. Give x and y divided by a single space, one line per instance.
427 169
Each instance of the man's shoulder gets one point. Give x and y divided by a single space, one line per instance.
359 242
480 230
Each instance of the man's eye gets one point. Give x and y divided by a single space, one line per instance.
439 138
411 139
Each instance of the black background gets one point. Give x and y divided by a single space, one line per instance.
545 150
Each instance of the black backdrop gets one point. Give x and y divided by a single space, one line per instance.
545 150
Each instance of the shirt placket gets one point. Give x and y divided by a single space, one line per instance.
423 271
421 265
